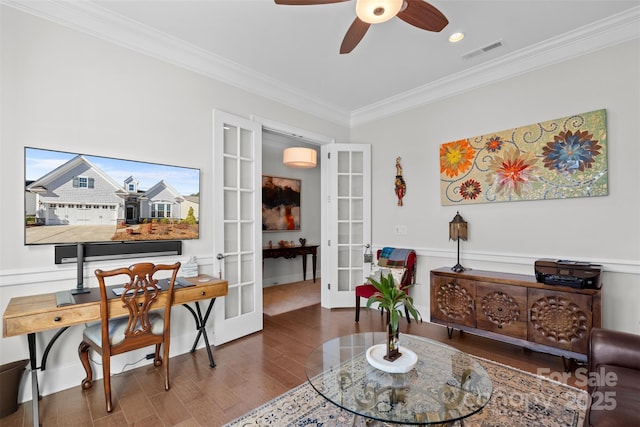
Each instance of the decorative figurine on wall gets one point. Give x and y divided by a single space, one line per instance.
401 186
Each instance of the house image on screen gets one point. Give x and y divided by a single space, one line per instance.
79 193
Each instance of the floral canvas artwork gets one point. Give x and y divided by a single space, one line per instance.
556 159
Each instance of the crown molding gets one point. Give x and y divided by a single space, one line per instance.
590 38
96 21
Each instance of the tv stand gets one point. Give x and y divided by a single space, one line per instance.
80 289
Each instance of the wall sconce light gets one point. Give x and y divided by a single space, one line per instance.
458 231
300 157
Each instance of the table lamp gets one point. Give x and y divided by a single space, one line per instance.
458 231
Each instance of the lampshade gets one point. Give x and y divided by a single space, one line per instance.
300 157
458 228
376 11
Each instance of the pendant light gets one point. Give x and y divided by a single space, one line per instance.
300 157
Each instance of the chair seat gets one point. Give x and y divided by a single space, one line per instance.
365 291
93 331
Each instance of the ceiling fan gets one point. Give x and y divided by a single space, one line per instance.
415 12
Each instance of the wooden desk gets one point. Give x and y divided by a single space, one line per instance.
292 252
28 315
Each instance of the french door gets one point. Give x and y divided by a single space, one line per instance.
347 223
237 160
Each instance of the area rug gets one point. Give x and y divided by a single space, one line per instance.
290 296
519 399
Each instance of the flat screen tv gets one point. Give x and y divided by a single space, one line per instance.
73 198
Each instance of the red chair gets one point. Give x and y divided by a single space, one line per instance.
366 290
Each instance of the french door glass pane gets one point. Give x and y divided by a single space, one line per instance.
231 269
230 237
357 232
248 303
343 233
343 280
343 209
246 174
343 186
356 186
246 206
246 236
231 308
230 205
343 257
343 162
356 210
247 273
246 144
357 162
230 172
230 140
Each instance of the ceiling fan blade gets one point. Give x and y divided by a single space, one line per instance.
355 33
307 2
423 15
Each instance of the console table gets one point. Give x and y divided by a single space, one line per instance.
31 314
515 308
289 252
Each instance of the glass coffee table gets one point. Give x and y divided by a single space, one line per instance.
445 386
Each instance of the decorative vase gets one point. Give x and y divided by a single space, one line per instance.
393 348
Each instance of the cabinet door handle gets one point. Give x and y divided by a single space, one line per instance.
57 319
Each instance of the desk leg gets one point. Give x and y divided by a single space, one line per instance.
201 323
35 390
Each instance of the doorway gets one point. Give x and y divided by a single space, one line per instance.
284 287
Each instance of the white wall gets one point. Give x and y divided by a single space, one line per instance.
63 90
67 91
280 270
511 236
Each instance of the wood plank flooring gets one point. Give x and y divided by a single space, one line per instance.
250 371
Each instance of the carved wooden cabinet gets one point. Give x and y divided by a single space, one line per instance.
515 308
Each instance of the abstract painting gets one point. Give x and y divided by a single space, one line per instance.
556 159
280 204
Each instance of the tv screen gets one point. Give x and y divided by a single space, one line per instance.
79 198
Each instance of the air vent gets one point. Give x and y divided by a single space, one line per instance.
482 50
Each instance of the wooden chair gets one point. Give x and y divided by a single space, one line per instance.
142 327
367 290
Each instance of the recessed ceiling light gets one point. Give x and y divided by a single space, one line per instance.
456 37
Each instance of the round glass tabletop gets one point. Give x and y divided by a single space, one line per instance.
446 385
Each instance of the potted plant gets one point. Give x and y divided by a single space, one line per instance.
394 300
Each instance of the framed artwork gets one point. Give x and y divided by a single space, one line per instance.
280 203
556 159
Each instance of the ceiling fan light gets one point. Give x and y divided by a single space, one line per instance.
377 11
300 157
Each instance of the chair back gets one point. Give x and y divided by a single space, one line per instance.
399 258
141 295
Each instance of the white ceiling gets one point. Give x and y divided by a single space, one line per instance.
290 53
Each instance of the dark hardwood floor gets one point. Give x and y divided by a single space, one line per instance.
250 371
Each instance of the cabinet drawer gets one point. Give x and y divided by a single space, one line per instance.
502 309
37 322
200 292
452 301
